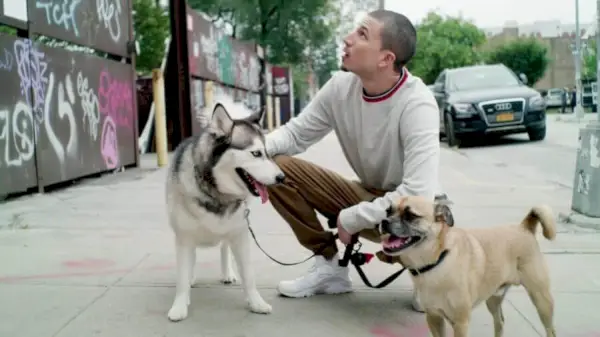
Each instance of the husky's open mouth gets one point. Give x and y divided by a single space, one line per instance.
256 188
394 244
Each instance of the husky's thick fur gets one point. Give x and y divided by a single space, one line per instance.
209 179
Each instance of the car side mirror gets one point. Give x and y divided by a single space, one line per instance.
523 78
438 87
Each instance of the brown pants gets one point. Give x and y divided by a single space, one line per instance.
309 188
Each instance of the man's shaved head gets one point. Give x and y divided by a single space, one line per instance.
398 35
383 41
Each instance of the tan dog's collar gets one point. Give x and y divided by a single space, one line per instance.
424 269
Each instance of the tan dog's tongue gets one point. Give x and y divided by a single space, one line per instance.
262 191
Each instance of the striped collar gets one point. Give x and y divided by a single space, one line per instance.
389 93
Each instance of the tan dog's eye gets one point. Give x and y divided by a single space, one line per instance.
408 215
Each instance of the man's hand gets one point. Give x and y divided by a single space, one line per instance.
343 235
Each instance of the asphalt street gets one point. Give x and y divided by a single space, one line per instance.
554 158
97 259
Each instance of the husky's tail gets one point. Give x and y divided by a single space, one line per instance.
544 215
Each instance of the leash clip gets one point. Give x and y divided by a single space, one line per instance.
359 259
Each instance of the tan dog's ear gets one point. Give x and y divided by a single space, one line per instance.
399 207
389 211
442 212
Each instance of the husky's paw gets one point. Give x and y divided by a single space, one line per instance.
259 306
229 278
178 313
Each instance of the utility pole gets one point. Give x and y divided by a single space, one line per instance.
381 4
597 59
579 112
585 202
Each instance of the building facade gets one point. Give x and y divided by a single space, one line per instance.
560 40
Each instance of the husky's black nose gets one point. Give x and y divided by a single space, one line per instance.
280 178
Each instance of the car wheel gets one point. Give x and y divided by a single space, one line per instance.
537 134
451 138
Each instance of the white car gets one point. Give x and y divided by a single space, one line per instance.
554 98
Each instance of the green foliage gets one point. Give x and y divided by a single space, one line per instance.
300 79
285 28
524 55
152 27
325 60
7 30
589 60
445 42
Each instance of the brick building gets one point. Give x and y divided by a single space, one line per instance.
559 38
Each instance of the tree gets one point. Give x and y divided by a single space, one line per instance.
589 60
287 30
325 60
445 42
152 27
293 34
523 55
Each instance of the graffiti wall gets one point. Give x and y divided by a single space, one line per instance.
220 65
65 114
214 56
282 93
99 24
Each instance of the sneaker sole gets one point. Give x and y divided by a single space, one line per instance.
335 289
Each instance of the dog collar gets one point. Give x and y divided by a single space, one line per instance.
428 267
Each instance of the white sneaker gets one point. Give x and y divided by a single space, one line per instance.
324 277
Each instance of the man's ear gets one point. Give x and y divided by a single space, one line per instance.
442 212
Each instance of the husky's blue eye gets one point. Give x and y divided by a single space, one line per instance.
256 153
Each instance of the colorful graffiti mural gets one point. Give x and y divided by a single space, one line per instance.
220 65
65 115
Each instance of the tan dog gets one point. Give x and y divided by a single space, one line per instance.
455 269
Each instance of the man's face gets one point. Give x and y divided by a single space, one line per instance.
362 49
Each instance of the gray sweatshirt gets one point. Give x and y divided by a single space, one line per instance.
391 141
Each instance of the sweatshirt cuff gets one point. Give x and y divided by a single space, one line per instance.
348 220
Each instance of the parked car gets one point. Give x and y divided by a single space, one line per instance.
554 98
488 100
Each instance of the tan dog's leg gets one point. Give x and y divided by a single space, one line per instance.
494 305
461 329
437 325
460 318
534 277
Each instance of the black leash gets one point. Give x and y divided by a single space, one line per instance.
351 255
319 251
358 259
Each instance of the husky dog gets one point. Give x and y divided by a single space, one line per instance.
209 180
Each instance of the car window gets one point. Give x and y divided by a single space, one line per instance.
483 77
441 79
555 92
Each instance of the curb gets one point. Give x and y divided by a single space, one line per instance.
579 220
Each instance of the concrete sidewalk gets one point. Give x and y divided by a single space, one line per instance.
97 259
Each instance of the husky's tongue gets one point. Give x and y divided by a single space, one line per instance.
262 191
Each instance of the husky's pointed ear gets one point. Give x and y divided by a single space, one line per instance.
221 119
257 116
